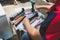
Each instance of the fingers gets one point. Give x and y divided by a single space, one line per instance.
26 21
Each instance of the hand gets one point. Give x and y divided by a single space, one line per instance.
26 21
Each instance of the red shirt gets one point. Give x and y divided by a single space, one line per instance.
53 30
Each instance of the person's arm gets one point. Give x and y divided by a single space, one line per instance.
43 6
34 33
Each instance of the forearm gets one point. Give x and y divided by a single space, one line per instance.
35 34
42 6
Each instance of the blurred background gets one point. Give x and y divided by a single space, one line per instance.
12 7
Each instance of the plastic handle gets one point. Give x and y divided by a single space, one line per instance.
33 1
